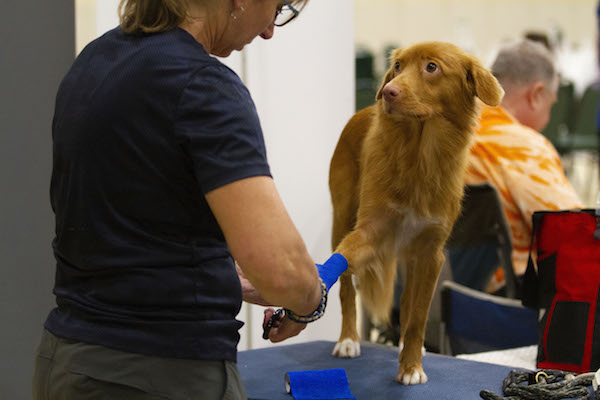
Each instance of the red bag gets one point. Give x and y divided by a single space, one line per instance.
566 288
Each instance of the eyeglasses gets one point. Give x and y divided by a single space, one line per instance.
286 12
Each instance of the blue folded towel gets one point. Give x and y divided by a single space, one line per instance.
326 384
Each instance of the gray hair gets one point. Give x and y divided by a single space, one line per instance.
524 62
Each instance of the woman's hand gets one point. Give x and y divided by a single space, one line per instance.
282 329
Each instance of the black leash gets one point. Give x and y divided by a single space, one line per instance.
278 316
545 384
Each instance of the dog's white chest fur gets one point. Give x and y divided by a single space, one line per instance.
409 224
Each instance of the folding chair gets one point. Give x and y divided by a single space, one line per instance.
473 321
480 242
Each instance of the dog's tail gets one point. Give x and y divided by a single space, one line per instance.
376 288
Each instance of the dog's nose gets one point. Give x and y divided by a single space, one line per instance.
390 92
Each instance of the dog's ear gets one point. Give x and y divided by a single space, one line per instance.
389 75
484 84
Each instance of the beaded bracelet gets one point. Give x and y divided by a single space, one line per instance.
318 313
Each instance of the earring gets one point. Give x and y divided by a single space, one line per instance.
235 17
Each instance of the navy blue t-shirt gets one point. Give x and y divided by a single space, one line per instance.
145 126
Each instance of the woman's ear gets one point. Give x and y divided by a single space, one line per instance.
389 75
238 5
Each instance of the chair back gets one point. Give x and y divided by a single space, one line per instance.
473 321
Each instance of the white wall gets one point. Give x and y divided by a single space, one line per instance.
480 26
302 82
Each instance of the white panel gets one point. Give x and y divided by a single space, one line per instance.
85 23
302 82
107 16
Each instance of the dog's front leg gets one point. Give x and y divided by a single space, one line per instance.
356 247
422 271
348 345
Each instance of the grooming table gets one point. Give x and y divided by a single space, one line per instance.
371 376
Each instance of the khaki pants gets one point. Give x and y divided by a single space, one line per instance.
71 370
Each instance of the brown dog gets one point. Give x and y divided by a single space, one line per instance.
396 181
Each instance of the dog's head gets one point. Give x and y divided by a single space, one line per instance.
435 78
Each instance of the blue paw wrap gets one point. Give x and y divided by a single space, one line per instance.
332 269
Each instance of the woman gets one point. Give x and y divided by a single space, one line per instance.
160 180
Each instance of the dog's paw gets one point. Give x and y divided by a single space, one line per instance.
347 348
401 346
411 376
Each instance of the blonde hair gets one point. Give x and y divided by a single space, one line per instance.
147 16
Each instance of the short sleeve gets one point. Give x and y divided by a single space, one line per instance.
218 127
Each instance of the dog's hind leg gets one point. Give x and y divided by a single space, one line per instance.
422 271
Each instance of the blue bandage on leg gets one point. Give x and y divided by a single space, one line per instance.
331 270
329 274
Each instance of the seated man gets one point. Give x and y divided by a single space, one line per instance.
511 154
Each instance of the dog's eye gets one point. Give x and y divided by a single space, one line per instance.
431 67
397 65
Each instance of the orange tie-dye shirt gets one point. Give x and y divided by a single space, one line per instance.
525 169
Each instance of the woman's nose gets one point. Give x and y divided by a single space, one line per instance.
268 33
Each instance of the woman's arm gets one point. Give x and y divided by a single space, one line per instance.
266 244
249 292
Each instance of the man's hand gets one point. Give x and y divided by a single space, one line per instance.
282 329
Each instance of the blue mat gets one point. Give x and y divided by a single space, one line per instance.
371 376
